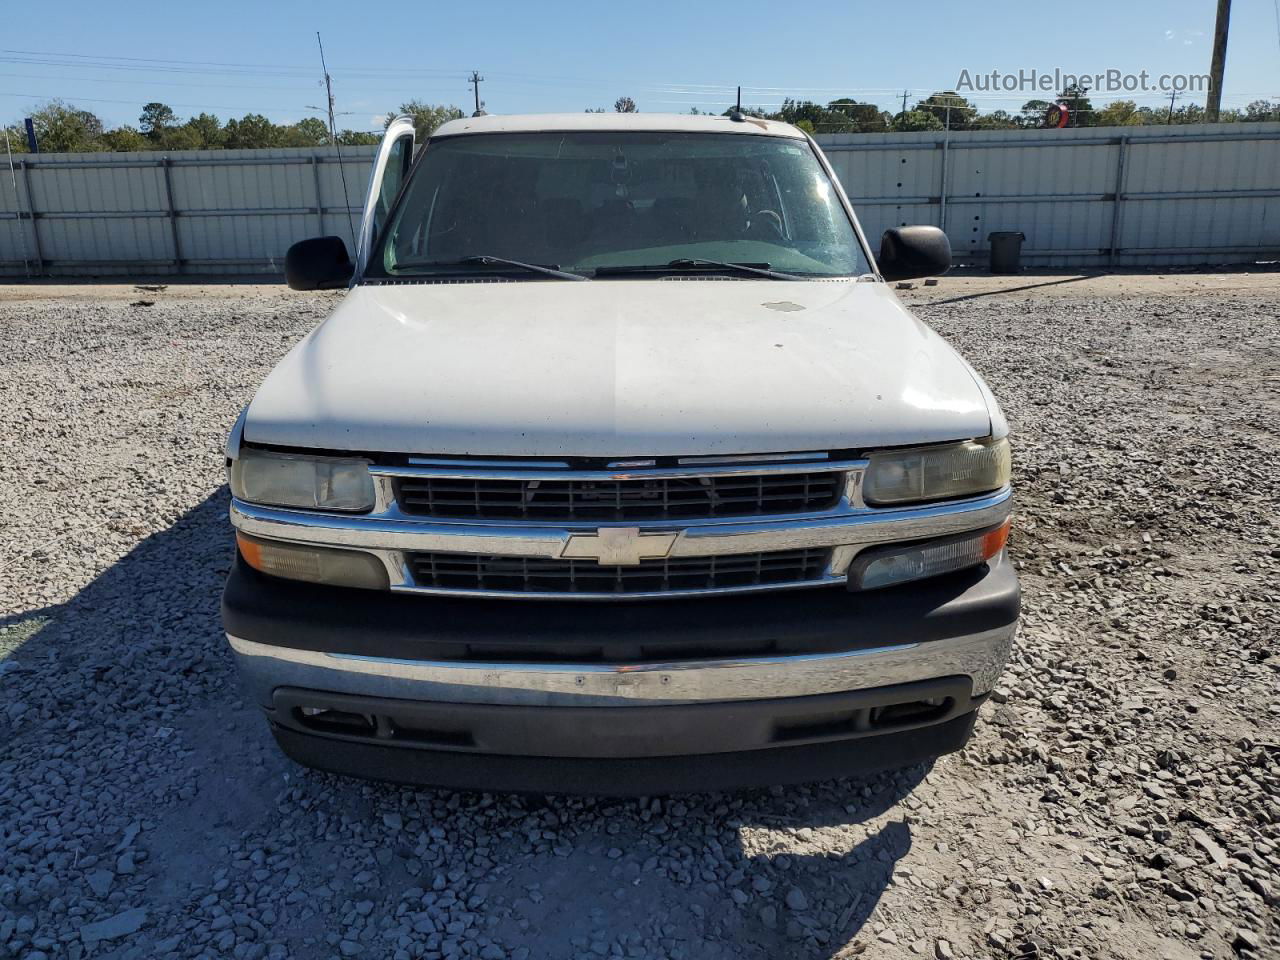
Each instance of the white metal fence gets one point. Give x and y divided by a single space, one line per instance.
1115 196
213 212
1083 197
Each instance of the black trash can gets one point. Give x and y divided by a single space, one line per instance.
1006 251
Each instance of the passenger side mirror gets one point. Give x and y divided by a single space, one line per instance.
320 263
910 252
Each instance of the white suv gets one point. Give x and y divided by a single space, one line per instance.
619 468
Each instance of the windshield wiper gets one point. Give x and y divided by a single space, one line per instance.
484 260
684 263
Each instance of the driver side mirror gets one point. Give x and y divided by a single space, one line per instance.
910 252
321 263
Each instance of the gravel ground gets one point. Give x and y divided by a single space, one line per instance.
1120 798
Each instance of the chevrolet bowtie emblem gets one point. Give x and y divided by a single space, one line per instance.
619 546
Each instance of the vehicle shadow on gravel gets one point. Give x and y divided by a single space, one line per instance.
796 872
144 811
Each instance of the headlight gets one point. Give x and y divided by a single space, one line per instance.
290 480
943 472
887 566
296 561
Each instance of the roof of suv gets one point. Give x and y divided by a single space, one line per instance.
670 122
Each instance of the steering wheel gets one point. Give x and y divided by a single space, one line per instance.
772 218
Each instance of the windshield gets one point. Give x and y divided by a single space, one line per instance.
607 201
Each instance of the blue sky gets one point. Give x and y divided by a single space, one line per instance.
232 57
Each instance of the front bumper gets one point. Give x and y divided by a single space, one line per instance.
624 697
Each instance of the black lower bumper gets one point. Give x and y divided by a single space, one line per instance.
627 776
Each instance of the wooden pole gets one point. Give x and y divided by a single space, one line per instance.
1219 63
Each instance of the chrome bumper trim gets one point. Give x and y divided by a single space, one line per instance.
979 656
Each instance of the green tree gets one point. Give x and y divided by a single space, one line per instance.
156 119
995 120
16 137
308 132
253 131
1190 113
208 129
1262 110
357 138
815 115
62 128
1118 113
916 120
953 111
1032 113
124 140
862 117
625 105
844 115
180 138
426 117
1161 115
819 118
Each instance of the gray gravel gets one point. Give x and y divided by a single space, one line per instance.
1121 799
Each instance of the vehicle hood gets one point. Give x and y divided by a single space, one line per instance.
618 368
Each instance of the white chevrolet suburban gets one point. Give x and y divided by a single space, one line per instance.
619 468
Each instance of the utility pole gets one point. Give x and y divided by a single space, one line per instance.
1172 97
1219 63
904 100
474 80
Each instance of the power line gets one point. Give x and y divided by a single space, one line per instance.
96 56
139 101
219 68
153 63
126 62
205 84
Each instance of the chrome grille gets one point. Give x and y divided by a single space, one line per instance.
637 499
469 571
